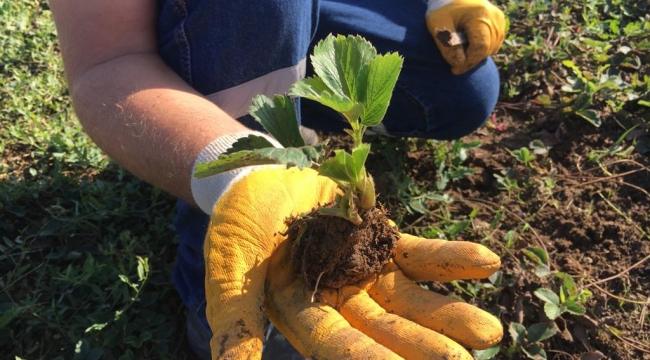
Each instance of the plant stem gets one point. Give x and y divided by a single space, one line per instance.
366 188
359 140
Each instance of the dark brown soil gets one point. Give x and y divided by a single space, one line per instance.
594 223
331 251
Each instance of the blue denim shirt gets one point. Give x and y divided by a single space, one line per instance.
215 45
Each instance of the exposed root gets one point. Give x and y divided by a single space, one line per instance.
316 288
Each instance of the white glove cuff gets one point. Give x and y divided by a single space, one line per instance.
436 4
207 191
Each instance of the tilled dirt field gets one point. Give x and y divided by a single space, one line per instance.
591 218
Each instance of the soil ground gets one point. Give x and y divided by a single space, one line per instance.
593 223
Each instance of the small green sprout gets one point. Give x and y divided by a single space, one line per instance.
569 299
351 78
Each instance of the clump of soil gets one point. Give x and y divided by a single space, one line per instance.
333 252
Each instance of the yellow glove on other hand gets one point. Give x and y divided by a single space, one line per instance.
250 276
483 23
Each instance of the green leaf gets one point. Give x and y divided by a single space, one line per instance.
344 166
487 353
96 327
95 354
125 279
541 332
538 147
384 71
81 349
567 281
278 117
590 115
314 88
317 152
537 254
584 99
347 212
584 295
571 65
351 78
128 355
250 142
517 332
574 308
342 62
360 154
301 157
552 310
644 103
133 341
353 56
547 296
534 352
511 351
143 268
457 228
10 314
417 205
542 271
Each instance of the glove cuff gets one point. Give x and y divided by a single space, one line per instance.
436 4
207 191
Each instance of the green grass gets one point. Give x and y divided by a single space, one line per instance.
86 249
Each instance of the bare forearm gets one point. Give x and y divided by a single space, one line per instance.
147 119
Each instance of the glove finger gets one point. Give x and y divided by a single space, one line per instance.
406 338
319 331
441 260
499 32
480 39
460 321
453 55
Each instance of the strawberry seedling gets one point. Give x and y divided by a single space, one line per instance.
351 78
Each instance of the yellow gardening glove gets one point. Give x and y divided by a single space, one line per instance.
250 277
483 24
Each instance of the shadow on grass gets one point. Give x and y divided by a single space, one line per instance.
86 258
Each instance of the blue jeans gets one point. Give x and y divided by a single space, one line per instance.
216 45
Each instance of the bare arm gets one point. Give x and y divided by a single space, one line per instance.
130 103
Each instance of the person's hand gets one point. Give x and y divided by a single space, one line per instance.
250 277
482 23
